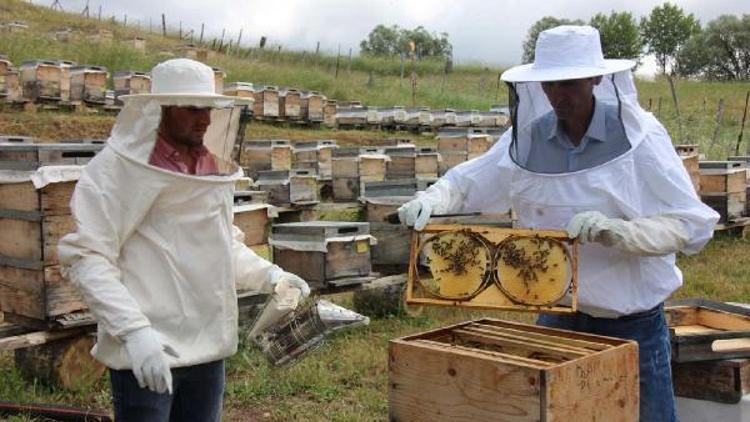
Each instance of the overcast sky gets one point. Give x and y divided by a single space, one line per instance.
482 31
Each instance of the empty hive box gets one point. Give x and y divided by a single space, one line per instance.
330 108
266 105
251 215
723 188
312 106
324 253
41 80
129 83
88 84
493 370
264 155
289 187
290 104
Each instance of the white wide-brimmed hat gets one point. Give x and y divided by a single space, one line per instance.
567 52
185 82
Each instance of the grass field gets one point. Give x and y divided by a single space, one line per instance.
347 379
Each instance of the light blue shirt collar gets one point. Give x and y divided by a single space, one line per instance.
597 129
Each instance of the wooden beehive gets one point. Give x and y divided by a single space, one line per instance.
494 292
251 216
289 187
290 104
445 117
40 80
494 370
219 76
13 90
450 159
32 222
139 44
264 155
372 164
330 109
323 252
418 117
345 173
401 163
390 255
312 106
130 83
467 118
744 159
351 116
25 157
191 51
5 67
239 89
398 187
66 67
266 105
704 330
491 119
722 381
426 163
723 187
88 84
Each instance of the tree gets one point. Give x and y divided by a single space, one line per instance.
542 24
390 41
619 34
665 31
721 51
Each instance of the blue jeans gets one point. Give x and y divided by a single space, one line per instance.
650 330
197 396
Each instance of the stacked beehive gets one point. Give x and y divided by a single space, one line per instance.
457 147
723 188
263 155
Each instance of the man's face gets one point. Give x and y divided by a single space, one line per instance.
185 125
571 99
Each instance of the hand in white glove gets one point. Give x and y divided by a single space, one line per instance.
277 274
647 236
415 213
148 358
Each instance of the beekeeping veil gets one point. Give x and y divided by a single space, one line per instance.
567 53
181 83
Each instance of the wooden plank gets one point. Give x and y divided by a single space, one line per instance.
722 381
681 315
496 355
550 341
682 330
430 385
723 182
558 339
544 352
723 320
18 196
38 338
61 295
603 387
21 239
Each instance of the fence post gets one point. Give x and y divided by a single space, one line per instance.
163 25
338 57
677 108
203 26
742 125
719 114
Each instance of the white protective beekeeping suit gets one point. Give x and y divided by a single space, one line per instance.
158 248
645 192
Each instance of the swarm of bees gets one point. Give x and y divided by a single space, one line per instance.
529 270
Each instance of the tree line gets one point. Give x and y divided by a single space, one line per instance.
682 47
720 50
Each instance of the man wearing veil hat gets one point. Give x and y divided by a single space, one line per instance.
155 254
582 155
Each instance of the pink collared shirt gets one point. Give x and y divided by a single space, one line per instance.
166 157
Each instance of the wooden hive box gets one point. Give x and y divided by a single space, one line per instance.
744 159
88 84
402 163
398 187
351 116
32 222
129 82
704 330
372 164
418 117
426 163
290 104
305 155
266 105
330 108
66 67
686 149
13 90
324 253
5 67
219 76
189 51
41 79
289 187
477 145
467 118
25 156
723 188
691 165
312 106
445 117
390 255
493 370
721 381
387 115
258 155
239 89
138 44
345 173
450 159
252 218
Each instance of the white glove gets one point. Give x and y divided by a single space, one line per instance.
148 358
440 198
647 236
277 274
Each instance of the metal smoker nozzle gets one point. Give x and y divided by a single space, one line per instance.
288 342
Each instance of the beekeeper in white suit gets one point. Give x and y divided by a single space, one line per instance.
155 254
582 155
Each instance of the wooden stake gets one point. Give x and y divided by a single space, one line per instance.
338 57
676 107
742 125
163 25
200 40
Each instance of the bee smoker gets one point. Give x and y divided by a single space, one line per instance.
305 330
